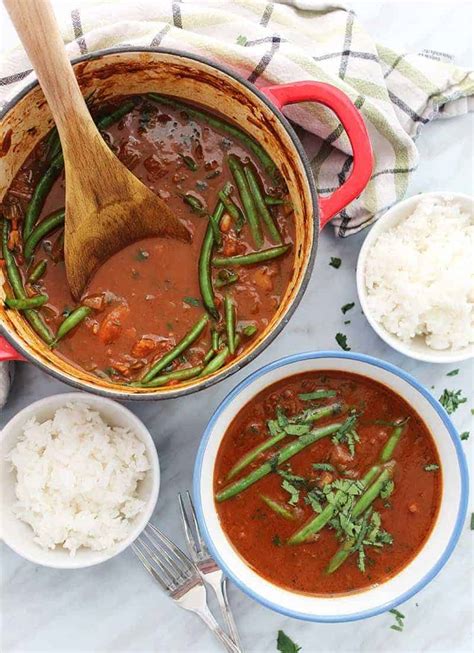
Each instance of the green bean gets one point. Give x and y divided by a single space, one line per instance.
209 355
284 454
216 232
230 322
361 506
195 203
250 330
178 375
204 266
273 201
38 271
53 142
251 259
262 209
278 508
216 122
44 228
250 209
46 182
318 522
250 456
108 120
219 359
233 210
15 280
215 340
387 451
39 194
225 278
372 492
192 335
28 302
188 161
74 318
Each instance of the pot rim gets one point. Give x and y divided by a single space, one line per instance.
293 304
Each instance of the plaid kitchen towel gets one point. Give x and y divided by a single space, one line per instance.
277 42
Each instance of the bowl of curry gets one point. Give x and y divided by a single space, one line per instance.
162 318
330 486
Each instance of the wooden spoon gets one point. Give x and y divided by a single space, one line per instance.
107 207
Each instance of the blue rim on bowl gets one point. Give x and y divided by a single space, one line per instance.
460 459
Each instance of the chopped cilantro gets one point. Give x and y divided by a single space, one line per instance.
387 489
241 40
399 617
276 540
347 434
451 400
282 419
431 468
453 373
317 394
335 262
192 301
465 435
285 644
347 307
292 491
347 321
297 429
324 467
472 521
341 340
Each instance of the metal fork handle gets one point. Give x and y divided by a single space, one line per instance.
219 585
212 624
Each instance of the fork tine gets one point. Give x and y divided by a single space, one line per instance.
202 544
187 526
155 553
172 548
150 569
170 566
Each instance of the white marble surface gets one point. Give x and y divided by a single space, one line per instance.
115 607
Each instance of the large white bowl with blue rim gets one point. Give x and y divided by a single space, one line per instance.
420 571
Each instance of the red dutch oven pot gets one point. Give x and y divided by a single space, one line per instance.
124 71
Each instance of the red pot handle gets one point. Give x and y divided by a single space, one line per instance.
354 126
7 353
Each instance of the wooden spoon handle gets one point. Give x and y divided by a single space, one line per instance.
38 30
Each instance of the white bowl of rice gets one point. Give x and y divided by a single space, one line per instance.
415 277
79 480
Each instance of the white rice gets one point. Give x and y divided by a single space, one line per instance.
420 278
77 479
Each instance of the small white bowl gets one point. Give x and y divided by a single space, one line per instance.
417 347
373 600
18 535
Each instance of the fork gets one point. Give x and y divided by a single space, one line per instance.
178 577
210 572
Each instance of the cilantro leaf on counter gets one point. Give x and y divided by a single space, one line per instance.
335 262
285 644
465 435
341 340
453 373
399 617
347 307
451 400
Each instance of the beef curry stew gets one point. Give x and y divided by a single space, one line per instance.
327 483
160 311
